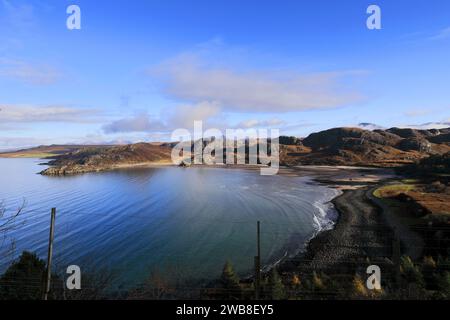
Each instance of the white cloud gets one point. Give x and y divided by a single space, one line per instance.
99 139
442 34
368 126
29 113
417 112
36 74
212 91
257 91
138 123
254 123
182 116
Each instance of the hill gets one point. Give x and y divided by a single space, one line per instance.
338 146
384 148
91 159
45 151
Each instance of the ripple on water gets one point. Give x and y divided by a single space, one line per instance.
140 219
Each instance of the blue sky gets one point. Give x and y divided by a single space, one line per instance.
139 69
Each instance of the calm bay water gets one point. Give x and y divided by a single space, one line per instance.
181 221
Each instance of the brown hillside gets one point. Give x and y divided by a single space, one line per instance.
99 159
338 146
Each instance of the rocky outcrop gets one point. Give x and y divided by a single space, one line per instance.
417 143
101 159
355 146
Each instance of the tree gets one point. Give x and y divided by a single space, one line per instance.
229 282
444 285
275 286
317 282
23 280
429 272
296 282
8 222
411 272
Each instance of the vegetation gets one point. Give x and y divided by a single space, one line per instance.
359 289
435 164
229 283
290 141
24 279
389 190
275 287
29 155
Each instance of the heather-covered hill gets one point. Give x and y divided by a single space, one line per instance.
354 146
338 146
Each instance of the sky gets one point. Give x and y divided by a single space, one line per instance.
139 69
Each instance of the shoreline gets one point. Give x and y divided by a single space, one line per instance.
325 222
331 248
320 253
358 235
56 171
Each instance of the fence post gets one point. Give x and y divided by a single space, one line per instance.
49 255
258 263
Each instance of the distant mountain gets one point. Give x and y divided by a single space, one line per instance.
45 151
423 126
369 126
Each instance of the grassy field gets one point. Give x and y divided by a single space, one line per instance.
392 190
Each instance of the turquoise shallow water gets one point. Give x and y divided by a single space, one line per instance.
182 222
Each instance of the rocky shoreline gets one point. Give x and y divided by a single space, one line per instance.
361 236
74 170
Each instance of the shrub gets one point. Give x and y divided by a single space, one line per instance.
275 286
317 282
359 289
296 282
444 285
229 282
24 279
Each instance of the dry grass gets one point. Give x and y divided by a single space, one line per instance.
436 203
